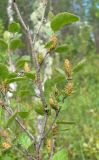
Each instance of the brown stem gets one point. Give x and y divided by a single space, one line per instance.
20 17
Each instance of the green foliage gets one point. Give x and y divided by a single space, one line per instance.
24 140
79 65
14 27
16 43
62 49
38 108
61 155
10 120
21 61
49 44
3 45
62 19
75 132
3 72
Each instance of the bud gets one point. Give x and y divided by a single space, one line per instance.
54 40
26 67
69 88
55 129
7 35
53 103
40 58
68 67
49 145
6 145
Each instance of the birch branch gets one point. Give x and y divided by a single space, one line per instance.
20 17
51 126
37 33
39 83
36 65
10 112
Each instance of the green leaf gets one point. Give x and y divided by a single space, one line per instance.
59 81
24 140
61 71
12 75
11 119
79 65
23 114
61 49
3 45
20 62
3 72
16 43
14 27
61 155
7 35
38 108
63 130
61 19
63 122
49 44
6 157
27 92
30 75
16 79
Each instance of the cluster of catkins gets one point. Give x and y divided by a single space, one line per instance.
68 71
68 87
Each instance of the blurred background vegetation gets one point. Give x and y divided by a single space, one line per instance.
82 40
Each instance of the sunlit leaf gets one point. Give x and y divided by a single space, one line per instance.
14 27
24 140
61 155
61 19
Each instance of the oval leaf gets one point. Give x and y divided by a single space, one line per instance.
30 75
21 61
16 43
14 27
61 49
61 19
38 108
61 155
